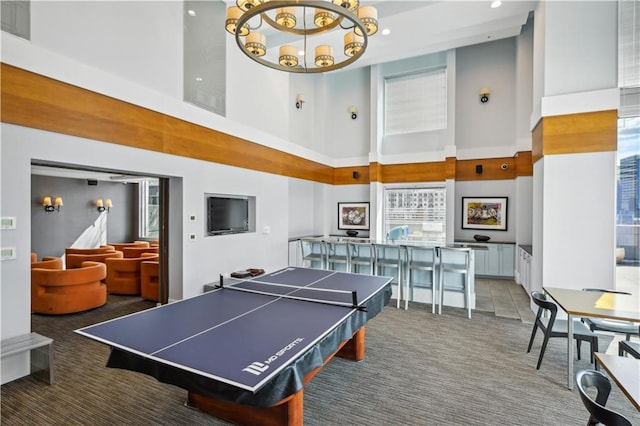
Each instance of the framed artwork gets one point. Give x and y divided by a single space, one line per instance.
353 216
489 213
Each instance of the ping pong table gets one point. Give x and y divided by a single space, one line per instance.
245 350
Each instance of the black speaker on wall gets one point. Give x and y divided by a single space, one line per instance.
92 182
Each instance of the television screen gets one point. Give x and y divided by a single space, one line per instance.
227 215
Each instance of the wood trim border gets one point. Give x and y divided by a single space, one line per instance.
32 100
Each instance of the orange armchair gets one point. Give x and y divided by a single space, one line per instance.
48 262
121 246
65 291
123 275
138 251
75 260
97 250
149 280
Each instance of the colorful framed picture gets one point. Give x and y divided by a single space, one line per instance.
353 216
488 213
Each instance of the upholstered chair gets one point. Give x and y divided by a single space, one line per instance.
149 279
65 291
138 251
75 260
48 262
123 275
121 246
96 250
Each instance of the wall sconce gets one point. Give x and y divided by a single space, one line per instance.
484 95
354 112
299 101
49 206
102 206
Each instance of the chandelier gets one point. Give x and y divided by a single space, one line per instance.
292 26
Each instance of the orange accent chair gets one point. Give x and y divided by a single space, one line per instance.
138 251
48 262
66 291
97 250
121 246
150 280
123 275
75 260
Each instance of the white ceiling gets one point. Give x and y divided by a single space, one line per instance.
419 27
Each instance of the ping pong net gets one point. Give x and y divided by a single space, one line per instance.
327 296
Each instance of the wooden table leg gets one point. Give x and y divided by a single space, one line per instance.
288 412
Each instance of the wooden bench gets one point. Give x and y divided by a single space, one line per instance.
41 353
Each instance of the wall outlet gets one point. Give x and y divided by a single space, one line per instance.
192 218
192 236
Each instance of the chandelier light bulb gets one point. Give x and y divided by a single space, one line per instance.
288 56
256 44
233 14
353 43
286 17
324 55
369 17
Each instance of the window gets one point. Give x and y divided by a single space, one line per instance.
415 102
16 17
423 210
149 201
628 176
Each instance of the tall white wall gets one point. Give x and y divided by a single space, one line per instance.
483 128
141 40
581 53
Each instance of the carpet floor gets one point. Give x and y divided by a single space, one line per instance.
420 369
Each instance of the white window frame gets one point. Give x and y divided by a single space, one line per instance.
144 210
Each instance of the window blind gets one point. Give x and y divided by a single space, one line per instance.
415 102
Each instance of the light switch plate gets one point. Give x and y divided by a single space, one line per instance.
7 253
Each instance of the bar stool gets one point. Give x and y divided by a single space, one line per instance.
422 259
337 254
313 251
455 260
362 254
390 256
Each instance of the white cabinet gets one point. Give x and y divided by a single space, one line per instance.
498 260
524 269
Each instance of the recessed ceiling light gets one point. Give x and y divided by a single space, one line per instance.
191 12
198 78
386 31
496 3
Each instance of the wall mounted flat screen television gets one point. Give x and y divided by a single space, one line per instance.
227 215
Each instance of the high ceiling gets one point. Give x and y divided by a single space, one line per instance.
420 27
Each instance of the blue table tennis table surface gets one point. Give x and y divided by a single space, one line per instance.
230 342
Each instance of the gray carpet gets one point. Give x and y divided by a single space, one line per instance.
420 369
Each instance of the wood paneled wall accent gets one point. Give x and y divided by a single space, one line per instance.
450 168
492 169
32 100
412 172
524 163
344 175
375 172
536 141
576 133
